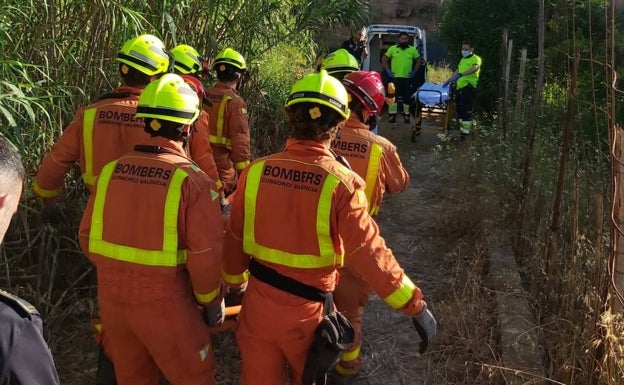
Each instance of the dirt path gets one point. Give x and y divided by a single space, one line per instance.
390 348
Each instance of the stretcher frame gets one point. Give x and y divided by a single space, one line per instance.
444 110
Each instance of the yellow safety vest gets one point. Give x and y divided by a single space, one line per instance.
219 138
88 122
327 255
372 169
168 255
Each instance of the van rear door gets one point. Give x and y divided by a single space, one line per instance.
382 36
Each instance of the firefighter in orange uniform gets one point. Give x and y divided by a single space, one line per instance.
188 64
150 229
99 133
229 122
108 128
297 216
375 159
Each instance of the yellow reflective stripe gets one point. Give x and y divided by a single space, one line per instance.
169 256
346 371
97 226
218 138
208 297
88 121
350 355
235 279
43 193
372 170
172 206
219 184
136 255
323 211
238 166
374 210
402 295
327 257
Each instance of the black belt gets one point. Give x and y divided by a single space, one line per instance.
279 281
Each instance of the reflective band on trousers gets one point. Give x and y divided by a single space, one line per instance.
402 295
372 169
43 193
350 355
88 121
238 166
235 279
327 256
219 138
345 371
169 255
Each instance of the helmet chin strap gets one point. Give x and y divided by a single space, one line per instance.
360 116
371 121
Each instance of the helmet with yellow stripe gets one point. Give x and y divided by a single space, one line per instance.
145 53
187 59
229 59
320 88
169 98
339 63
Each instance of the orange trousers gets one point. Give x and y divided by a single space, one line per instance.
169 335
274 333
350 297
227 173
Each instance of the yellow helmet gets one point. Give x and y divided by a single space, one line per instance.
169 98
340 61
145 53
187 59
321 88
231 57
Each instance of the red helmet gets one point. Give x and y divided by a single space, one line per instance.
195 84
368 88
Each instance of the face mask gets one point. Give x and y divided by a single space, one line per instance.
403 45
466 53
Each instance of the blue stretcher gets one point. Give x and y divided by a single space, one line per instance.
431 94
432 100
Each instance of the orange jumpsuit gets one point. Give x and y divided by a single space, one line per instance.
199 148
302 213
99 133
150 229
375 159
229 132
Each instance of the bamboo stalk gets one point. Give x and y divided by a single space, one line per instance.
617 263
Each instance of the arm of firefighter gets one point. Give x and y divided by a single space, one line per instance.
65 152
239 133
201 151
204 243
367 253
235 260
397 178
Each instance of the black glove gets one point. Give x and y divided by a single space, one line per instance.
426 326
215 314
52 214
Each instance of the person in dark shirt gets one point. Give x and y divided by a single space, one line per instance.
25 358
356 45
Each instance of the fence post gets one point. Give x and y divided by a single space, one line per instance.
520 85
618 222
